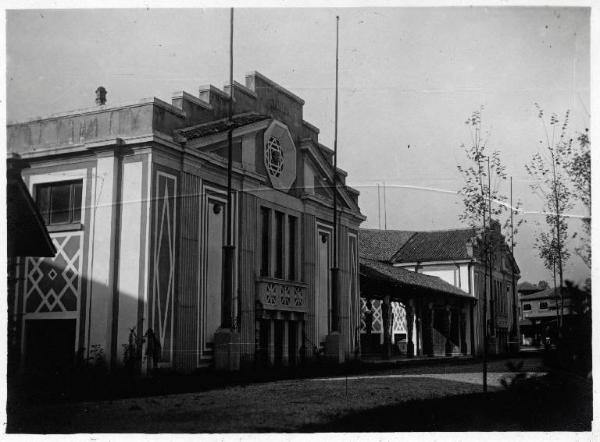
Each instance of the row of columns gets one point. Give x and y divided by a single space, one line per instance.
297 326
427 319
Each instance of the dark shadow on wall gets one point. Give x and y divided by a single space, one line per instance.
43 362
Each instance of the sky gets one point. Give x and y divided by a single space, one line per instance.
407 77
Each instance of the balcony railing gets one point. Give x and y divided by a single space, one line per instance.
275 294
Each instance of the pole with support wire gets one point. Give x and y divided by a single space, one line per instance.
229 248
379 206
226 339
384 209
490 269
335 269
334 345
515 328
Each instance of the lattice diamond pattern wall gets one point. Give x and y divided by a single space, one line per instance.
53 285
164 263
398 310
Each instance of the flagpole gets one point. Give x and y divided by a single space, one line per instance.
516 336
229 248
335 269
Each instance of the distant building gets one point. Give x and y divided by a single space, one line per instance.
134 197
540 310
453 257
405 312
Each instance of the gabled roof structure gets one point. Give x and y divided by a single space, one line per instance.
378 252
407 280
438 245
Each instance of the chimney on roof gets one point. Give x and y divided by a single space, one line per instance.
100 96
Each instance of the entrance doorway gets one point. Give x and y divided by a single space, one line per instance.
49 345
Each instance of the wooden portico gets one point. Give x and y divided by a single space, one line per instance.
438 315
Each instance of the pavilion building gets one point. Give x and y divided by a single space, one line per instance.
134 197
433 285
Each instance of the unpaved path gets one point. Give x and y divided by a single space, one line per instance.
283 406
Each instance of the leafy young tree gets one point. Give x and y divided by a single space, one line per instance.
549 170
579 169
482 191
483 202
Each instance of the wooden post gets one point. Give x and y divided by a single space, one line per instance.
448 329
285 351
428 350
271 345
385 314
410 317
300 346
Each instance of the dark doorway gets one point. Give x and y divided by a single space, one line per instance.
49 345
278 343
439 332
263 343
293 342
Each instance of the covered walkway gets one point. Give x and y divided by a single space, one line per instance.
437 317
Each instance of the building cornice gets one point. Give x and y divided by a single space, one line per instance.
101 109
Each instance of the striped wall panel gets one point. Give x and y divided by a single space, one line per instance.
247 284
309 277
164 266
186 323
343 289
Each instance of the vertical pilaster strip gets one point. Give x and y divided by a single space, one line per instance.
309 271
342 294
285 358
189 259
129 253
299 331
271 346
249 268
103 268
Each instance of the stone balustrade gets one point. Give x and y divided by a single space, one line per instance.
281 295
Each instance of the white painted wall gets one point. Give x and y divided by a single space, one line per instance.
447 274
130 252
464 277
103 208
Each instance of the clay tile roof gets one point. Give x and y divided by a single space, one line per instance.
548 293
382 245
214 127
440 245
405 279
527 287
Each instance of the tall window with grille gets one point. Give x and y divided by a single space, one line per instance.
279 245
265 261
292 248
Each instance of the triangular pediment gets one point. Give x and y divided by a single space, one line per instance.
319 177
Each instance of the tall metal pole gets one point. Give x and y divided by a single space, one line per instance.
384 209
485 290
515 327
379 205
229 248
491 254
335 269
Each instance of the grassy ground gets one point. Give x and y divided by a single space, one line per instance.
549 403
426 398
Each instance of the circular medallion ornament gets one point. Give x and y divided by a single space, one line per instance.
279 156
274 157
